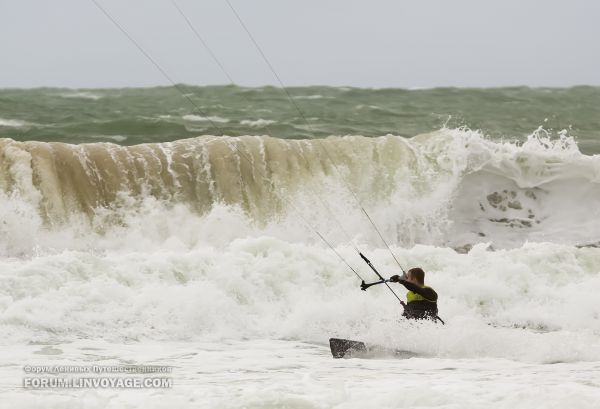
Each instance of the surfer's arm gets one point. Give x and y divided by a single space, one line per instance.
428 293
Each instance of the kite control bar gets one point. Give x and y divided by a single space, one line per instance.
364 286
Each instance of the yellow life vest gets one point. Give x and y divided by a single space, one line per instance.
410 296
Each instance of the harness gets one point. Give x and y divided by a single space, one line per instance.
411 297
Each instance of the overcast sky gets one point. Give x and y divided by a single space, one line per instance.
368 43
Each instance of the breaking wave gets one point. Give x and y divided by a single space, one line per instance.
447 188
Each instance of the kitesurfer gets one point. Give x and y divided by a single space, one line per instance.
421 300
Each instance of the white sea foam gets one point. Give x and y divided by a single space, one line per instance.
316 96
116 138
361 106
258 123
198 118
81 95
13 123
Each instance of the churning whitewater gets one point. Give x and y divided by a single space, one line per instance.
201 253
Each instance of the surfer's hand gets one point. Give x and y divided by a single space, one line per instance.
395 278
402 303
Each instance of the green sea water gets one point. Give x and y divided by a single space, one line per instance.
160 114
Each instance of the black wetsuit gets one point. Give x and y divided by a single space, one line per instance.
420 309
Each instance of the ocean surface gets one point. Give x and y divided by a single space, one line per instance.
139 228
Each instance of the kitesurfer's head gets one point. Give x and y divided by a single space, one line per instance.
416 275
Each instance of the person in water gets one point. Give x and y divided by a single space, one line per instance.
421 300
